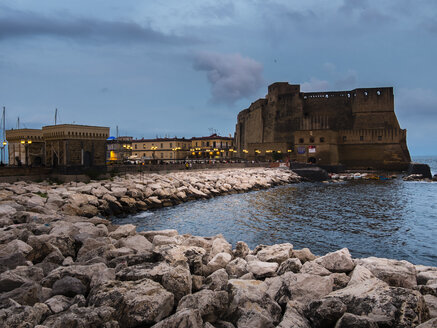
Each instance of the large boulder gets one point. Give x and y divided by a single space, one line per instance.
84 317
187 318
262 269
338 261
275 253
143 302
123 231
387 306
212 305
68 286
395 273
249 300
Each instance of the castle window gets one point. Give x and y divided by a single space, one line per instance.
312 139
171 145
322 139
365 93
348 95
135 146
301 140
344 138
162 146
378 93
379 138
326 96
361 138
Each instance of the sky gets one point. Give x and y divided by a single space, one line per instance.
187 68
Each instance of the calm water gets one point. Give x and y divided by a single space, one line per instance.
393 219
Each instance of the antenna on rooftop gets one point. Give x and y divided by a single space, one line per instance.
116 133
18 122
56 115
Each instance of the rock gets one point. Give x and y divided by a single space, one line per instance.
293 318
429 324
304 255
349 320
151 234
11 261
250 304
67 261
290 265
95 248
237 267
431 302
262 269
84 273
212 305
58 303
123 231
142 302
187 318
28 293
340 280
68 286
118 191
163 240
218 280
137 242
395 273
15 246
12 279
223 324
219 261
197 282
7 211
366 295
301 288
325 312
419 168
177 280
24 316
425 275
241 249
314 268
338 261
275 253
84 317
220 245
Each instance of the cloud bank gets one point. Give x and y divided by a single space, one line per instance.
27 24
232 76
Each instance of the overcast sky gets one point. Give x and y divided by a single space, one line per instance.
182 67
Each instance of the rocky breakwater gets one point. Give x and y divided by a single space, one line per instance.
133 193
69 271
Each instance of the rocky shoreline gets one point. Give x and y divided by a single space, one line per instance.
61 265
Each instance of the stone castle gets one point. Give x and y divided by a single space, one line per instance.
357 128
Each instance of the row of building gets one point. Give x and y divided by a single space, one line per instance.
82 145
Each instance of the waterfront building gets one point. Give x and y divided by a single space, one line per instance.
356 128
25 147
118 150
75 145
58 145
212 147
160 149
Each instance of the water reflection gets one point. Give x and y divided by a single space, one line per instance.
391 219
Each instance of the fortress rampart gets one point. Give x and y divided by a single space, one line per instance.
357 128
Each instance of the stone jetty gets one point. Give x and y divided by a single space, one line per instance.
62 264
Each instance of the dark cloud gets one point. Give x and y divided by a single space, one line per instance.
232 76
25 24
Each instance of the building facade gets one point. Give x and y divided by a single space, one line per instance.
160 149
356 128
25 147
118 150
58 145
212 147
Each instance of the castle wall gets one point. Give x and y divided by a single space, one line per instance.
358 118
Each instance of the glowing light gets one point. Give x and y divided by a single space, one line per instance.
22 141
289 150
4 143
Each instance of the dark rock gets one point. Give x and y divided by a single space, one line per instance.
349 320
27 294
292 265
12 279
325 313
9 262
419 168
24 316
68 286
312 173
217 280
